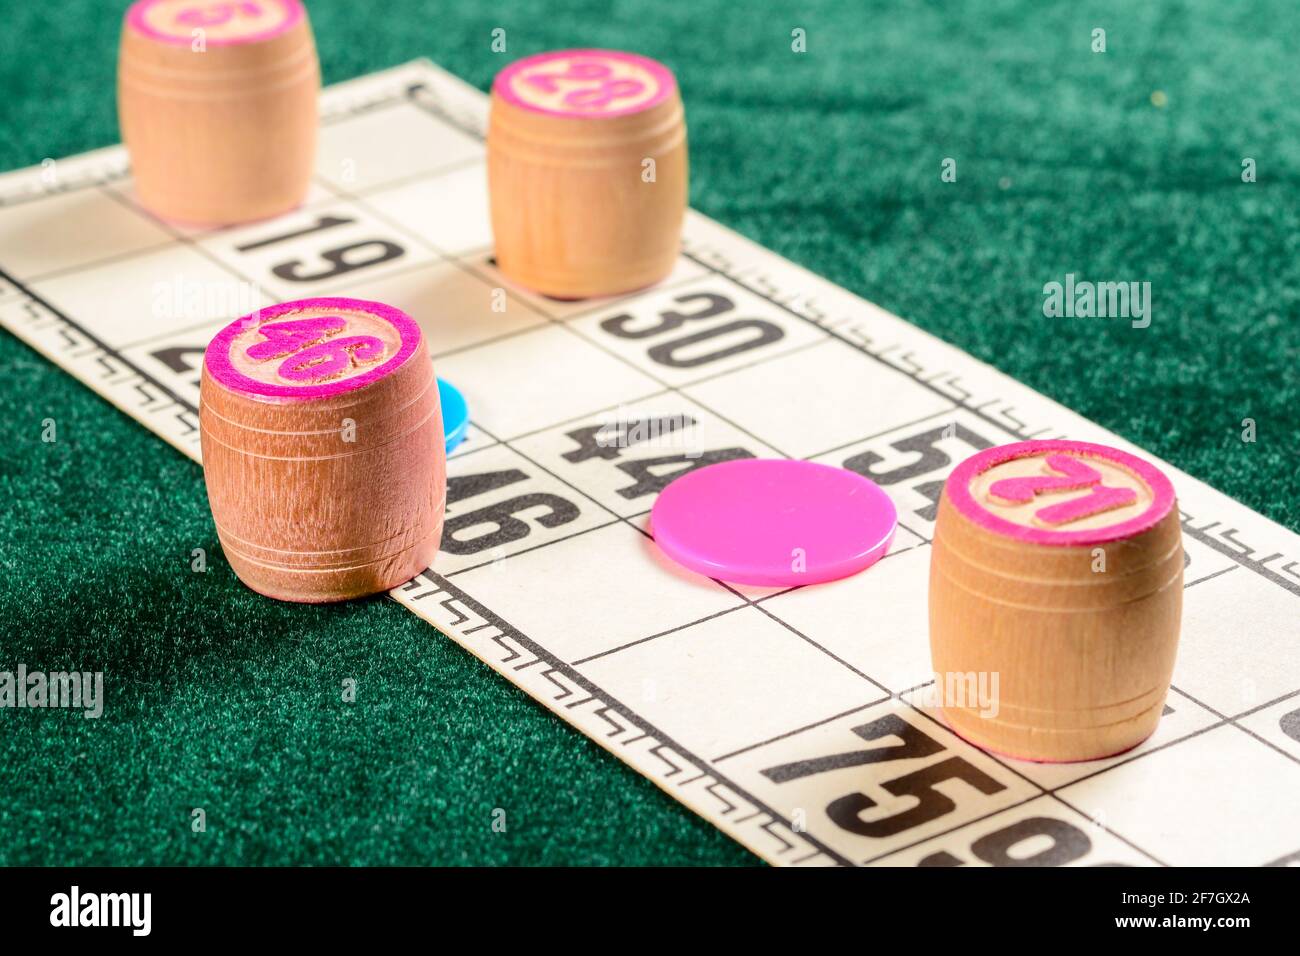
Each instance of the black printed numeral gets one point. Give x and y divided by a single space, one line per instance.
337 260
930 804
649 475
930 458
1289 724
1067 844
730 338
183 360
498 524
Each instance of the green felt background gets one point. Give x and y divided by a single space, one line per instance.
223 700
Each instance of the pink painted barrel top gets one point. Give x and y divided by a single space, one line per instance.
592 84
311 348
1060 492
217 22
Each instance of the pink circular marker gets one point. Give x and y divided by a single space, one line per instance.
774 522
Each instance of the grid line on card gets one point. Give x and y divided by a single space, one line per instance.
119 169
107 261
713 411
1210 577
1129 759
458 602
809 641
584 417
925 538
400 181
1267 704
514 554
1232 722
893 428
1092 818
672 630
191 243
467 262
798 730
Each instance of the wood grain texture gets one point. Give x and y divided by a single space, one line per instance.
226 133
332 496
572 213
1081 636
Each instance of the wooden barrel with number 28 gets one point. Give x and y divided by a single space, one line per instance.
587 172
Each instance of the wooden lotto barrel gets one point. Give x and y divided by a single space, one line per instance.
217 103
323 448
587 172
1055 583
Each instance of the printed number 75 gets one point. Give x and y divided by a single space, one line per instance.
846 811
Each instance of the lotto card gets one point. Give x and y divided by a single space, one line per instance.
781 715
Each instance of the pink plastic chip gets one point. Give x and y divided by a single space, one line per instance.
774 522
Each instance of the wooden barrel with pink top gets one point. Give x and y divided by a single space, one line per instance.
587 172
217 104
323 449
1056 585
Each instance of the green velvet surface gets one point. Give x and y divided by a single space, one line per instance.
220 699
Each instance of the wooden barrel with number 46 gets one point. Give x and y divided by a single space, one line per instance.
323 448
